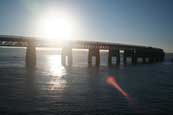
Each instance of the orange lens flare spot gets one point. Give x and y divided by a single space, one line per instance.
113 82
110 80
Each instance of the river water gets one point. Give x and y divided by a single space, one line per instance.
53 89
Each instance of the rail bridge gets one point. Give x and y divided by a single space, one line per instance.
148 54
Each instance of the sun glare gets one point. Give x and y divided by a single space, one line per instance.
57 26
57 72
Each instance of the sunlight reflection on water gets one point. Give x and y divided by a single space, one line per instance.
57 71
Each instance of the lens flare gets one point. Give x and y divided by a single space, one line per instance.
110 80
113 82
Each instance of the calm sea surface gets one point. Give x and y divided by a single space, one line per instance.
54 89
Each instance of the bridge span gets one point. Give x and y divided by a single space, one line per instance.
148 54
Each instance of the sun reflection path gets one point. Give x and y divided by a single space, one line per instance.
57 71
110 80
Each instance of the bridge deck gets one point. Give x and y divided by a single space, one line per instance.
21 41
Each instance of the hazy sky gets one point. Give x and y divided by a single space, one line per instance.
142 22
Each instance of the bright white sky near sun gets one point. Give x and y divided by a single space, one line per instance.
141 22
56 24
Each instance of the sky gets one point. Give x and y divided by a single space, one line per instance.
139 22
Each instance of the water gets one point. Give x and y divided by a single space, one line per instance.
53 89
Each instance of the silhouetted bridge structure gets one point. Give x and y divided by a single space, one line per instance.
150 54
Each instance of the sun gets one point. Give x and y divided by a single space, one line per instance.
56 26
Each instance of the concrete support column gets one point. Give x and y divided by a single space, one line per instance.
144 60
154 59
63 59
113 52
70 58
134 60
90 57
151 60
160 59
161 56
97 56
118 57
125 58
66 52
157 59
134 57
94 52
110 57
30 58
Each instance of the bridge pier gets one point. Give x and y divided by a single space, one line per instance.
118 57
162 56
30 58
113 52
134 57
151 59
159 59
66 52
125 57
127 53
141 53
110 57
94 52
155 56
143 60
